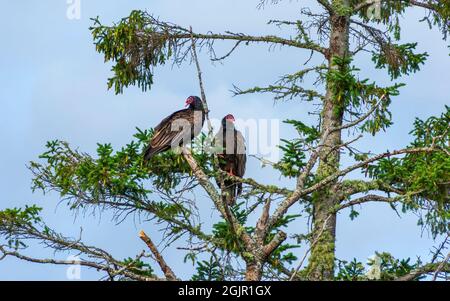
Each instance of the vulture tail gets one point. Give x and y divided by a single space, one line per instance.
239 189
230 195
152 151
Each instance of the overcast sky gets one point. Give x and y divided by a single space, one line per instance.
54 87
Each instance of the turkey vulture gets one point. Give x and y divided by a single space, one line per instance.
232 157
177 129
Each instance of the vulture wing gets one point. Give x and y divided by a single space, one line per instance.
170 131
232 159
240 159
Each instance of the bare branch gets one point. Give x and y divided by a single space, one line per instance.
326 5
277 240
159 259
362 118
441 266
180 34
228 53
256 185
261 225
368 3
200 81
368 198
351 187
426 269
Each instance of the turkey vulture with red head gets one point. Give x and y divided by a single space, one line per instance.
232 157
177 129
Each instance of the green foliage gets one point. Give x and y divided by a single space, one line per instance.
279 257
423 176
389 14
309 133
289 87
112 173
293 159
439 16
389 267
16 218
139 267
353 213
399 59
351 94
119 180
208 271
392 268
223 231
28 215
350 271
135 47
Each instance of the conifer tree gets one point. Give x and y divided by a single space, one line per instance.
415 178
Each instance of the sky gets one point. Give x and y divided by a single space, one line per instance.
54 87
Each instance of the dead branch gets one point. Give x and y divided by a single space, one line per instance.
426 269
441 266
369 198
159 259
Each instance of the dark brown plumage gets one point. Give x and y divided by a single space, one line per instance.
177 129
232 157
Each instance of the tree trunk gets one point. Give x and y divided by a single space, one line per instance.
253 271
321 261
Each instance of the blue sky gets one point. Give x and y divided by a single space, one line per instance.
54 87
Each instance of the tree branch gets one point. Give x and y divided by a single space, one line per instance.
170 275
367 3
256 185
176 32
426 269
326 5
351 187
299 192
441 266
368 198
215 197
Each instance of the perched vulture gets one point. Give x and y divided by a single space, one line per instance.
232 158
177 129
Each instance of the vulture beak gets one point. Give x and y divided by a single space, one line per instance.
230 118
188 102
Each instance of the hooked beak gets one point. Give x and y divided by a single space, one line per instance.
231 118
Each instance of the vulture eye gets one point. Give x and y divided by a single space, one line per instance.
189 100
230 117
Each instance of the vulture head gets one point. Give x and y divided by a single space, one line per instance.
194 103
228 121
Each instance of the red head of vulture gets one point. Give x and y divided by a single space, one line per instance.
177 129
